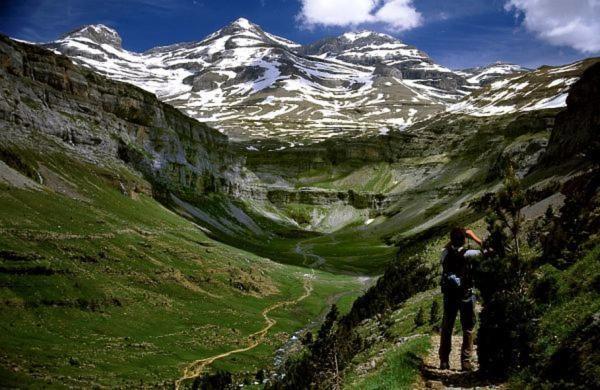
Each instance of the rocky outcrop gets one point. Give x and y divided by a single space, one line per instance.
99 34
48 104
293 161
321 197
298 160
577 128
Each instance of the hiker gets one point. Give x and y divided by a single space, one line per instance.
457 287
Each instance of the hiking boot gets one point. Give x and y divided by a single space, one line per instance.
467 365
444 366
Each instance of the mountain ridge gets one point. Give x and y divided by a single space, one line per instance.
255 86
99 33
209 80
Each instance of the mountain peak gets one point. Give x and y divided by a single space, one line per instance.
247 29
363 34
508 66
98 33
240 26
243 23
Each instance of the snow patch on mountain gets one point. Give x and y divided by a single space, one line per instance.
543 88
486 74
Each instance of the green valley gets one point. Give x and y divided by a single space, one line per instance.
143 248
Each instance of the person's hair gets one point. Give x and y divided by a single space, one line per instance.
458 236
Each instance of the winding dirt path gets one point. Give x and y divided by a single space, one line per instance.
197 367
434 378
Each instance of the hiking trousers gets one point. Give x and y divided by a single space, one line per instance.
452 305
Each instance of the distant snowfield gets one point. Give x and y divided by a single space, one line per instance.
252 84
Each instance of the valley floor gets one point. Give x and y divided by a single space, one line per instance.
102 288
198 367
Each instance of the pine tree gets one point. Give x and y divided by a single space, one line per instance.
503 279
324 348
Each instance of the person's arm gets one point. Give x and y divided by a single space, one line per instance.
469 233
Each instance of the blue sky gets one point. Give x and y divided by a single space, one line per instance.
458 33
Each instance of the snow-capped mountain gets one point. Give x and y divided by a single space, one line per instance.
391 55
99 48
546 87
483 75
251 84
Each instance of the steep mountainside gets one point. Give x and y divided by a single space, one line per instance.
575 135
77 112
102 285
546 87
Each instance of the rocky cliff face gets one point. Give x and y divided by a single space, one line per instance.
321 197
48 104
576 130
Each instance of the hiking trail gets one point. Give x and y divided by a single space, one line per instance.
197 367
434 378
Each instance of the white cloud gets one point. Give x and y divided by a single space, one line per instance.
397 15
574 23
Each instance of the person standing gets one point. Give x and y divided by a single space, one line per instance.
457 288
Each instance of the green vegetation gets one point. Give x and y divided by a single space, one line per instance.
341 339
400 368
103 285
541 298
34 105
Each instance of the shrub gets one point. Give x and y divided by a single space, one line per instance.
434 313
420 318
219 381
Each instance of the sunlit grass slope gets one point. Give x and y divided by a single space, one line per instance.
105 286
